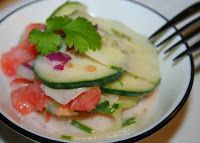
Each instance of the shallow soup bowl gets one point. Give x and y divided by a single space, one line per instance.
168 99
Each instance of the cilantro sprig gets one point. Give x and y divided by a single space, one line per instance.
79 34
57 23
46 42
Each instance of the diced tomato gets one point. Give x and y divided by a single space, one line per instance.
28 99
21 80
30 27
26 45
86 101
32 50
13 58
23 53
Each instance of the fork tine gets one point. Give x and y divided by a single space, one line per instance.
184 39
181 16
179 31
188 51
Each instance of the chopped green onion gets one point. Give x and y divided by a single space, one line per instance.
104 108
68 138
121 35
104 104
129 121
81 126
115 106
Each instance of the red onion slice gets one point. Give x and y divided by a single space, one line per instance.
59 67
63 58
27 65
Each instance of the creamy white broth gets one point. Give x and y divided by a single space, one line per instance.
102 124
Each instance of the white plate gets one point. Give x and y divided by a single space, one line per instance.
176 81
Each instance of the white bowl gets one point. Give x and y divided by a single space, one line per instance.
177 78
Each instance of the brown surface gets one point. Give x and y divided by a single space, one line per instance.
5 3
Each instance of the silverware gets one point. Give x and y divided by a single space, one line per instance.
188 31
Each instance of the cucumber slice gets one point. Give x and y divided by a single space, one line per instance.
109 54
128 101
124 102
83 14
141 54
68 8
119 45
129 85
74 76
106 55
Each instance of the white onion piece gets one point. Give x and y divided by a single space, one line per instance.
25 72
62 96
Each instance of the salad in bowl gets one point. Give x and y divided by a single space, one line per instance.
80 77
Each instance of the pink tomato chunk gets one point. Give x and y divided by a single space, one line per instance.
22 53
86 101
28 99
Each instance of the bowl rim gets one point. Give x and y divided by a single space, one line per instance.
141 136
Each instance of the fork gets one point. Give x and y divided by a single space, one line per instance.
187 32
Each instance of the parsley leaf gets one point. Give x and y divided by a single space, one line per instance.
78 33
46 42
82 35
57 23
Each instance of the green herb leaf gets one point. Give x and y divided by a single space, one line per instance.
82 35
129 121
57 23
79 33
104 104
81 126
46 42
68 138
104 108
109 111
115 106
